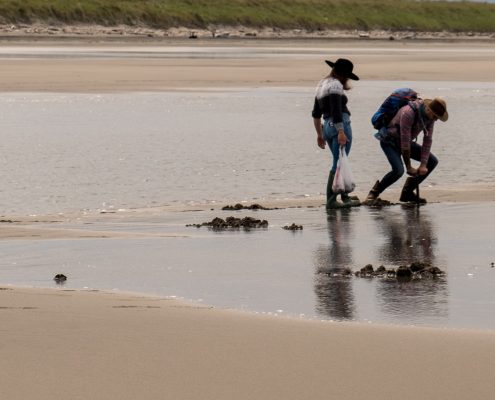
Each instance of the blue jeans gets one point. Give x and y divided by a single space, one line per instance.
392 150
330 135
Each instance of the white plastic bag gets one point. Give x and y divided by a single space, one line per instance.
343 181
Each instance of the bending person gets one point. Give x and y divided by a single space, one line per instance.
399 145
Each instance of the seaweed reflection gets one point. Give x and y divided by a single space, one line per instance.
334 291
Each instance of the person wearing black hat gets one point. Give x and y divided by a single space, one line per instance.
399 146
331 105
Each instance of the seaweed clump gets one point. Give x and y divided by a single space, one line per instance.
233 223
417 270
293 227
239 206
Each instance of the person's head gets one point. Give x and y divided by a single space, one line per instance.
436 109
342 70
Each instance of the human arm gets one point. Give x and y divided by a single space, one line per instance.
337 99
422 170
336 107
406 120
426 148
406 156
316 114
319 133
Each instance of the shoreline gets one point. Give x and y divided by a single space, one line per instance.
182 302
467 193
125 32
199 352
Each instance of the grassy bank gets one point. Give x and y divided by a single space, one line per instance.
285 14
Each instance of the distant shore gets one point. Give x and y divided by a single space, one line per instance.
126 32
184 64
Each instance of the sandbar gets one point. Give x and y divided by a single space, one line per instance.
56 66
59 344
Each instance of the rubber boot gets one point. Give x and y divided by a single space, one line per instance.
373 194
407 195
331 196
350 201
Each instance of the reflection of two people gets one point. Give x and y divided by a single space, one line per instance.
333 291
409 237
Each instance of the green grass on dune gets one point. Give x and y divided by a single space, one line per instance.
285 14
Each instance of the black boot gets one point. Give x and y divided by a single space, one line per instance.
408 195
373 194
350 201
331 196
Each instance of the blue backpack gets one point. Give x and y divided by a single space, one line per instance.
393 103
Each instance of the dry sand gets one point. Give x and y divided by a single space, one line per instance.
60 344
113 67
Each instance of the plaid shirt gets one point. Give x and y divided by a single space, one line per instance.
407 125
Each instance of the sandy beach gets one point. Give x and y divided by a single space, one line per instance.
60 344
67 344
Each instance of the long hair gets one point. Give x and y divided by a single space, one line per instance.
340 78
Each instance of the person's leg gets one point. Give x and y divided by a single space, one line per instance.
394 157
346 199
393 154
330 135
407 194
348 132
430 164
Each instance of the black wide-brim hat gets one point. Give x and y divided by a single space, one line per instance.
344 68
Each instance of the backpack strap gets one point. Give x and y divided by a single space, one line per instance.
416 116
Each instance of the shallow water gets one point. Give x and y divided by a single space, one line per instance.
71 152
288 273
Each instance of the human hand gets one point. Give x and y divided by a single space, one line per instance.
321 142
341 138
412 171
422 170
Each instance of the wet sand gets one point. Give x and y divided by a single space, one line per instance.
48 226
67 344
75 344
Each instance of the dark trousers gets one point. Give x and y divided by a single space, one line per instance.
394 156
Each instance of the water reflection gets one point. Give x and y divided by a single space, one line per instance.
333 291
409 236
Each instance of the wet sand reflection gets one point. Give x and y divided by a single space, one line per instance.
409 236
403 235
334 294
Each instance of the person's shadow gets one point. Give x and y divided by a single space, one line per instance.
334 296
409 237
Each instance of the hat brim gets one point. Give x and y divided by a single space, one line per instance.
443 117
330 63
350 75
